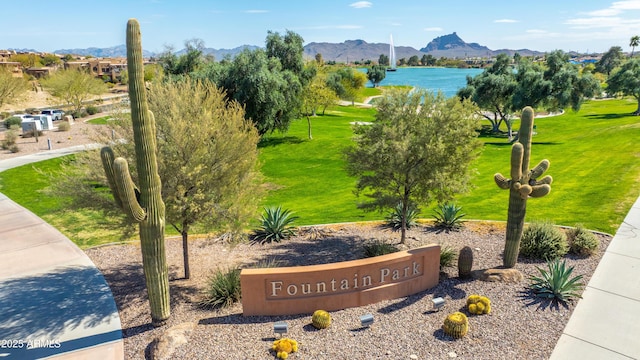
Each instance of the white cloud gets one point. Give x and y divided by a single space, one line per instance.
256 11
536 31
436 29
361 4
506 21
626 5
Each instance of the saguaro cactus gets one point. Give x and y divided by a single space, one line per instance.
522 185
144 205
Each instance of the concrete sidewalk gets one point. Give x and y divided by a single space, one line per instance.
606 321
54 302
45 155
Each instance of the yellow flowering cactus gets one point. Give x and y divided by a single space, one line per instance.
478 305
283 347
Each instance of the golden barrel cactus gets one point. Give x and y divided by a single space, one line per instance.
456 325
321 319
478 305
283 347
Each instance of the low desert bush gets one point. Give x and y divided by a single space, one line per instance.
223 289
378 247
11 121
92 110
64 126
543 240
10 138
582 242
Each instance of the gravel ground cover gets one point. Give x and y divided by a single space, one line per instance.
520 326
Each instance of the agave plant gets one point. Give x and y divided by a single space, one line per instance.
276 225
394 219
449 216
556 282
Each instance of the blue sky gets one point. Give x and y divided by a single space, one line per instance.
544 25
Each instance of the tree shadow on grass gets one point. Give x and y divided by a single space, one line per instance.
609 116
275 141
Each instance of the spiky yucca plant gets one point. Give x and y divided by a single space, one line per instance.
394 219
449 216
223 289
556 282
276 225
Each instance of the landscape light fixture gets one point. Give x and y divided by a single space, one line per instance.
438 303
280 327
366 320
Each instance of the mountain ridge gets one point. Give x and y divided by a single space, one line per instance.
450 46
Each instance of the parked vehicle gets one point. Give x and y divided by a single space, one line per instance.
56 114
45 121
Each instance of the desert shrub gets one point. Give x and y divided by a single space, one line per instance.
13 120
275 225
447 256
92 110
4 115
582 241
32 111
14 148
64 126
394 219
378 247
556 282
78 114
32 133
10 138
223 289
448 216
543 240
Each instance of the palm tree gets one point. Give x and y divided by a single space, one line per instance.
635 41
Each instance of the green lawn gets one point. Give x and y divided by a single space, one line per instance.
100 121
593 162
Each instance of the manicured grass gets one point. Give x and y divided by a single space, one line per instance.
100 121
593 157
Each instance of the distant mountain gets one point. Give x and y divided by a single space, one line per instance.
450 46
220 54
356 50
115 51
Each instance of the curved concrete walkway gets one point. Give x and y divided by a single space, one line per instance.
54 302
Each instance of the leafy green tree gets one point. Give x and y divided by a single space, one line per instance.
50 60
402 62
67 57
207 160
417 150
568 88
610 60
626 81
186 63
288 49
74 87
376 74
11 87
319 59
383 60
27 60
492 91
413 61
346 82
634 42
316 94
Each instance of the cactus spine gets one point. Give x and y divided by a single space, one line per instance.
523 184
145 205
465 262
456 325
321 319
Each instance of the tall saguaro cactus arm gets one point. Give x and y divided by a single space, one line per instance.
146 206
523 184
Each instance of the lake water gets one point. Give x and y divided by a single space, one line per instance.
444 79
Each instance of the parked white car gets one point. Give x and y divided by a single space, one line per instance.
56 114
